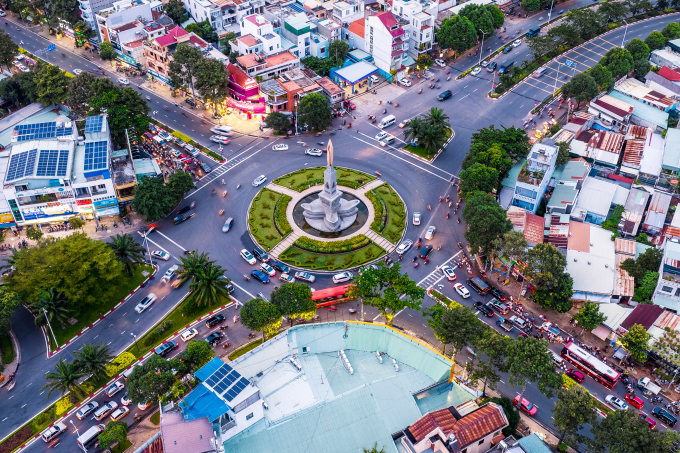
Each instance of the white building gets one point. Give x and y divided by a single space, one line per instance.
224 15
90 7
420 28
346 12
534 177
384 39
122 13
263 36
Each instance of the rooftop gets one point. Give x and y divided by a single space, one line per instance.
575 170
562 195
328 85
671 157
670 74
643 111
667 83
592 266
181 436
249 40
596 197
617 107
643 314
637 201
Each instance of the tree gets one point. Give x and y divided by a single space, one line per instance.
9 302
514 141
55 304
278 122
546 264
413 130
581 87
128 251
424 61
559 297
437 119
662 4
210 285
530 361
457 33
337 51
510 413
34 233
92 359
212 80
191 265
125 108
637 48
314 111
153 199
183 66
387 290
625 432
635 341
603 77
261 316
458 326
613 11
643 293
641 67
589 316
434 318
149 381
227 42
76 222
493 156
204 30
478 177
431 139
8 49
565 34
486 220
492 346
374 449
64 380
197 354
586 21
619 61
648 261
106 51
530 5
513 245
79 93
483 19
294 300
82 32
51 83
180 183
175 11
573 410
563 157
635 6
542 45
114 433
671 31
656 40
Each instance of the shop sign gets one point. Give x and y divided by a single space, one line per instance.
245 106
56 203
128 59
6 218
84 202
157 75
42 191
39 213
107 203
108 211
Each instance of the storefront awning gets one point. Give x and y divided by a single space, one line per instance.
408 61
601 332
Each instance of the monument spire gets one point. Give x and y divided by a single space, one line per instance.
329 153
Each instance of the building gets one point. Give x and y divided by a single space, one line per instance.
667 292
190 436
666 81
262 36
298 30
671 157
651 163
637 90
611 112
296 85
635 207
603 147
596 199
656 215
334 93
88 9
562 199
121 13
591 262
665 57
354 34
346 12
329 29
643 114
420 22
534 177
531 225
158 53
224 15
267 66
574 173
384 39
529 444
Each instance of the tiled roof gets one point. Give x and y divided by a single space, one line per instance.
281 58
387 19
171 37
668 319
533 228
633 152
134 44
664 82
443 419
478 424
239 76
643 314
193 39
613 106
669 74
328 85
605 140
249 60
249 40
358 27
128 26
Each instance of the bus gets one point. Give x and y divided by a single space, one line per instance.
331 296
590 365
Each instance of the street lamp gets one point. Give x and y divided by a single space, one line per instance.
481 50
50 326
624 32
135 342
155 112
82 445
550 12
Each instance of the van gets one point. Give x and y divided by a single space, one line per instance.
664 416
387 141
506 67
90 436
444 95
556 358
374 79
533 32
105 410
387 121
478 285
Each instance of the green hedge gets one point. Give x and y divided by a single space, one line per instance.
346 245
305 178
243 349
261 218
181 136
379 221
396 212
280 215
305 259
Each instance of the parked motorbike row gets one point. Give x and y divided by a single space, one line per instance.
59 227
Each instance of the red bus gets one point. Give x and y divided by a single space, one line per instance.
590 365
331 296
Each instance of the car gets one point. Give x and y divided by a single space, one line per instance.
448 272
462 290
285 278
145 303
575 375
169 273
634 401
123 81
259 180
188 334
259 275
426 251
404 246
314 152
230 287
119 413
267 269
498 294
227 225
260 255
190 101
24 68
53 431
213 321
221 139
366 268
279 266
405 82
87 409
280 147
166 348
77 71
476 71
439 62
482 307
2 14
517 43
416 218
351 105
650 422
664 416
616 403
484 63
526 406
213 338
444 95
246 255
143 406
429 234
507 49
342 277
380 135
206 168
498 307
221 130
105 410
177 283
125 400
404 123
492 66
386 141
305 276
160 255
114 388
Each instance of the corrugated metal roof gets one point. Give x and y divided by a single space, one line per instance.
643 111
643 314
637 131
671 157
624 246
633 153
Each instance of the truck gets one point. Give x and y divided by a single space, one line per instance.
183 214
646 384
519 322
533 32
504 324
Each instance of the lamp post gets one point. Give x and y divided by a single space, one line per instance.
50 326
135 342
674 374
74 426
624 32
481 50
558 76
147 248
550 12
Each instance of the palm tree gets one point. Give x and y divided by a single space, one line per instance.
209 285
413 129
437 119
127 250
431 139
92 359
65 380
56 304
191 265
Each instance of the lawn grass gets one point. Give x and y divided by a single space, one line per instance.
156 418
396 213
261 218
243 349
422 152
121 447
307 177
91 313
7 349
298 257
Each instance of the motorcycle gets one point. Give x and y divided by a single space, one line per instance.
252 335
238 186
226 344
246 278
225 327
457 219
460 245
224 194
447 215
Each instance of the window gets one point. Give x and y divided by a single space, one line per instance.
667 289
677 292
464 451
481 442
249 416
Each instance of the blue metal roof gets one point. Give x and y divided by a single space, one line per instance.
203 403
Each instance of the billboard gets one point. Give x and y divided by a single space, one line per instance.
49 211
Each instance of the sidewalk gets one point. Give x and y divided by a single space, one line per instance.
11 368
142 431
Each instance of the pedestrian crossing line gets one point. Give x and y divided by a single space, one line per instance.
592 50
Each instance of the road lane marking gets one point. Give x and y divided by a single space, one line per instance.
183 249
242 289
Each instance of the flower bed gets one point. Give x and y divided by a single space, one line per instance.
396 212
280 218
425 154
442 299
305 178
379 207
305 259
346 245
261 218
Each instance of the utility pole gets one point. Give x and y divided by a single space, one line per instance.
50 326
481 49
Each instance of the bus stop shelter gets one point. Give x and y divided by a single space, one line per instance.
355 74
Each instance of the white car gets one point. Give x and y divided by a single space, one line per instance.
246 255
476 71
462 290
439 62
314 152
366 268
485 63
616 403
221 139
280 147
143 406
259 180
77 71
119 413
169 273
188 334
267 269
405 82
53 431
24 68
404 246
2 14
386 141
125 400
305 276
165 256
517 43
431 230
87 409
145 303
416 218
113 389
381 135
404 123
448 272
342 277
221 130
123 81
285 278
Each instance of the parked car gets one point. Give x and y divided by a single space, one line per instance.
616 403
481 306
188 334
190 101
526 406
305 276
405 82
166 348
165 256
342 277
145 303
114 388
440 62
259 275
260 254
214 320
213 338
246 255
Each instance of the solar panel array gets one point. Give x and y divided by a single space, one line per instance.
94 123
227 382
52 162
21 164
95 155
41 130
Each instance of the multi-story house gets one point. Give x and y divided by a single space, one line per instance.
334 93
298 30
384 39
534 177
329 29
88 9
267 67
157 53
346 12
261 30
419 18
224 15
297 85
124 12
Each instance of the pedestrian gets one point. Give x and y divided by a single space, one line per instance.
532 320
437 267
